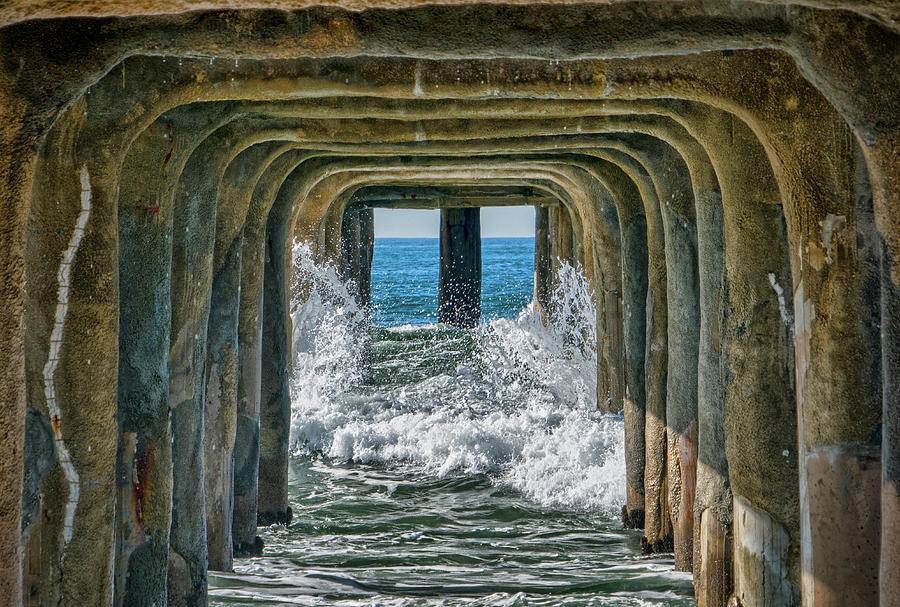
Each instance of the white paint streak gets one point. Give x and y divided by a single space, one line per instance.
56 337
782 307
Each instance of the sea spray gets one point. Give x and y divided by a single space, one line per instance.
517 401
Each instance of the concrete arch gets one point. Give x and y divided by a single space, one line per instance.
790 21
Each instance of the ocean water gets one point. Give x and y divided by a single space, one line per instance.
437 466
405 279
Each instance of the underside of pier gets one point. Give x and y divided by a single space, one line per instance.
725 174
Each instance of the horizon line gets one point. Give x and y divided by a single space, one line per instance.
438 237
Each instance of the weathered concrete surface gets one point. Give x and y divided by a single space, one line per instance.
275 402
459 282
542 279
890 445
192 260
71 357
634 296
271 174
357 248
837 376
235 189
220 415
761 548
367 246
844 361
144 461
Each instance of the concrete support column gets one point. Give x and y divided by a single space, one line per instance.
71 315
672 181
634 281
657 524
17 160
250 354
555 252
246 443
144 462
221 407
192 261
758 361
459 288
357 247
890 441
367 250
566 237
275 399
542 278
355 268
350 267
838 375
611 399
884 171
683 328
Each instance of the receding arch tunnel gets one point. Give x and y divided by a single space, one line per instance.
725 176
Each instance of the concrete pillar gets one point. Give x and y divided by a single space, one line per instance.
246 443
144 461
553 236
357 248
657 524
275 399
71 316
634 281
890 441
683 327
566 237
17 153
350 257
838 375
459 288
542 277
250 327
367 250
355 268
759 395
192 252
220 415
611 399
602 270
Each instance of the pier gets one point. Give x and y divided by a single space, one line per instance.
725 175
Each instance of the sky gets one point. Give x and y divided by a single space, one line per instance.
496 222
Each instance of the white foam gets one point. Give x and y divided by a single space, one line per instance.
522 409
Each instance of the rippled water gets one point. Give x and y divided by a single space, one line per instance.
461 468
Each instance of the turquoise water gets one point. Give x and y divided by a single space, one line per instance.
458 467
405 279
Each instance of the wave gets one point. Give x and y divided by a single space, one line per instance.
512 399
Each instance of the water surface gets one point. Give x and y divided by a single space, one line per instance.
461 467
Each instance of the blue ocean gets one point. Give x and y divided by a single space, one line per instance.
405 279
435 466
